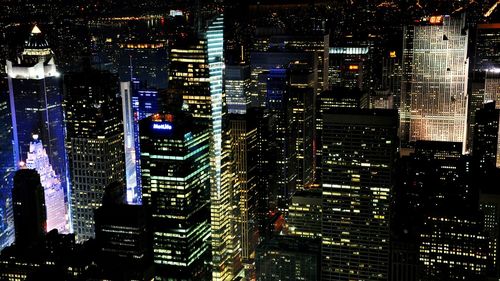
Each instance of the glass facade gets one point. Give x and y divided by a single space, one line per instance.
36 105
175 170
434 87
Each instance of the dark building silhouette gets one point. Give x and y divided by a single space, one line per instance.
288 258
30 215
485 144
359 152
123 237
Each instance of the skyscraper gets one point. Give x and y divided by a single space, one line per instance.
36 104
175 169
196 72
288 258
7 168
38 160
122 236
95 142
359 150
486 132
302 87
237 83
434 84
245 153
137 104
30 217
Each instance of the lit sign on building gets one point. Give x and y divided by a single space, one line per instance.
162 126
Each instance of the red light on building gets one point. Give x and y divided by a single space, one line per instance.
169 117
436 20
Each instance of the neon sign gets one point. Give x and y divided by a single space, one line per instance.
162 126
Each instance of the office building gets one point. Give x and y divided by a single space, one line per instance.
437 214
302 85
337 97
38 160
124 249
359 150
7 168
95 143
485 144
305 214
37 104
288 258
196 73
30 216
175 169
144 62
435 50
137 104
282 137
237 85
245 152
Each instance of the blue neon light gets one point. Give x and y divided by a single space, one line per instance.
162 126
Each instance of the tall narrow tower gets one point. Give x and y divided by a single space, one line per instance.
196 73
37 105
434 85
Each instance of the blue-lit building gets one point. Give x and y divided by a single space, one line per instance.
6 168
36 103
138 103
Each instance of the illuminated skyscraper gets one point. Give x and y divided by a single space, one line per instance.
7 168
36 104
434 84
359 150
137 104
305 214
95 142
196 72
244 132
144 61
38 160
302 87
237 83
485 67
175 170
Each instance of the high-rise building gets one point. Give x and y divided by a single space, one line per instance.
237 83
95 142
359 150
175 169
436 214
434 84
335 98
349 66
302 87
282 137
146 62
196 73
486 132
289 258
36 104
7 168
137 104
122 236
305 214
485 64
38 160
30 216
244 133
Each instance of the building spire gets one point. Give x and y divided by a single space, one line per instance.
36 30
